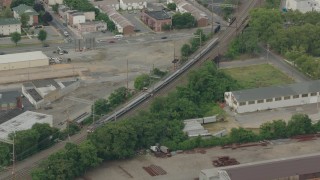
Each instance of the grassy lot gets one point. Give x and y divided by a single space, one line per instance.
262 75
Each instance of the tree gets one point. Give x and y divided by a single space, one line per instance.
241 135
24 18
142 81
38 7
25 142
15 37
185 20
55 8
42 36
101 106
172 6
6 13
119 96
185 50
273 130
45 135
46 17
18 2
299 124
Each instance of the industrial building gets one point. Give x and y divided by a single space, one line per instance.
23 60
19 120
292 168
42 92
184 6
302 5
258 99
133 4
156 19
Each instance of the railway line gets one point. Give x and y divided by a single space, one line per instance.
210 50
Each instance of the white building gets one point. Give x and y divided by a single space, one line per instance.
273 97
133 4
114 3
53 2
28 10
23 60
9 25
76 18
303 5
23 121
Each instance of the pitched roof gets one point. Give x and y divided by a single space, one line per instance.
8 21
22 8
197 13
117 18
277 91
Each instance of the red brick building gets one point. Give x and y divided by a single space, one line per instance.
5 3
156 19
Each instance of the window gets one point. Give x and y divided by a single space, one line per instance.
242 103
269 100
278 99
251 102
261 101
313 94
295 96
304 95
286 97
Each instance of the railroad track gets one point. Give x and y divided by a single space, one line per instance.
24 168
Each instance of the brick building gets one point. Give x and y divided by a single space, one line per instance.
156 19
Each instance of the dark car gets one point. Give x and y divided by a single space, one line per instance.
164 37
2 53
45 45
65 51
111 41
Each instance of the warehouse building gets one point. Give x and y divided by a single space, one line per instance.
292 168
20 120
23 60
258 99
156 19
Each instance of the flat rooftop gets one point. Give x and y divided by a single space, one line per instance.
158 15
21 57
23 121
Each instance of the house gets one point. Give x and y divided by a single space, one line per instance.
9 25
53 2
76 18
185 7
24 9
5 3
93 26
257 99
156 19
123 25
303 5
114 3
133 4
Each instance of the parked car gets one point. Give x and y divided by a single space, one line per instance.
65 51
164 37
2 53
111 41
65 33
45 45
38 26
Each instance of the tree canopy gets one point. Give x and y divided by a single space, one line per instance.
184 20
15 37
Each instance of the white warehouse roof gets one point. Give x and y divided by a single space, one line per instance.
23 121
21 57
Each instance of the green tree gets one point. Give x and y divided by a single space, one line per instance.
6 13
142 81
55 8
241 135
273 130
42 36
26 2
24 18
172 6
185 50
119 96
4 155
15 37
299 124
38 7
101 106
185 20
45 135
46 18
26 143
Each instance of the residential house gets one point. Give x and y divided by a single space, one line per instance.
133 4
183 6
92 26
24 9
156 19
303 5
123 25
76 18
9 25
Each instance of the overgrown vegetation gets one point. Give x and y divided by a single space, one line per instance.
194 44
183 21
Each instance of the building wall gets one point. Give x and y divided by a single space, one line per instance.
35 20
131 6
128 30
75 20
58 93
36 104
8 29
253 106
24 64
5 3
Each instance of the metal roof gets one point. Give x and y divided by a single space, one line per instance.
9 21
158 15
34 94
9 96
277 91
7 115
45 83
20 57
274 169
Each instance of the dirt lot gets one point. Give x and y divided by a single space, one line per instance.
187 166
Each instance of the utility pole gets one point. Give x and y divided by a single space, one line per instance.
13 157
127 75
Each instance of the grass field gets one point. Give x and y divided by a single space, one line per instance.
258 76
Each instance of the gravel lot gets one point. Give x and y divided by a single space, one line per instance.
187 166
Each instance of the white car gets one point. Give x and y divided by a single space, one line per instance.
66 33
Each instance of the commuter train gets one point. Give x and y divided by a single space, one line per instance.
162 83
